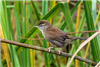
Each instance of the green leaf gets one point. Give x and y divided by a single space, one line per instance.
94 43
35 11
75 7
52 12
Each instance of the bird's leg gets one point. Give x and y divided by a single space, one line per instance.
59 51
50 48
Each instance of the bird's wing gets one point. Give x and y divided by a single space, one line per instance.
53 31
55 36
57 41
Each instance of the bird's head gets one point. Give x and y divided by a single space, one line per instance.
43 25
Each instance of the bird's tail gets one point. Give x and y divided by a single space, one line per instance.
81 38
75 38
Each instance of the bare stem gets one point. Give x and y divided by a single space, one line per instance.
46 50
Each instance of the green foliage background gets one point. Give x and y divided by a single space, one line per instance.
18 18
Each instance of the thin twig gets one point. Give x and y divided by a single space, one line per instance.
46 50
82 32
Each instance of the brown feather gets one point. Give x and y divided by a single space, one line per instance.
55 36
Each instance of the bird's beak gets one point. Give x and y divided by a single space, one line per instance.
36 26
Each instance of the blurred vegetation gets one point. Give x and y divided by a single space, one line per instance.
17 19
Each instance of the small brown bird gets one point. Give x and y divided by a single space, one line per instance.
55 36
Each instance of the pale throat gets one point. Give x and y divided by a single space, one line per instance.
42 30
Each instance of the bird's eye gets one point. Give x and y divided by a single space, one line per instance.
41 25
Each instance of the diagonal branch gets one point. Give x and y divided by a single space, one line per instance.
46 50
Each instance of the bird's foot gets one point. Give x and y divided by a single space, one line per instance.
50 48
59 51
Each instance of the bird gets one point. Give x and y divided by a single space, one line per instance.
56 37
